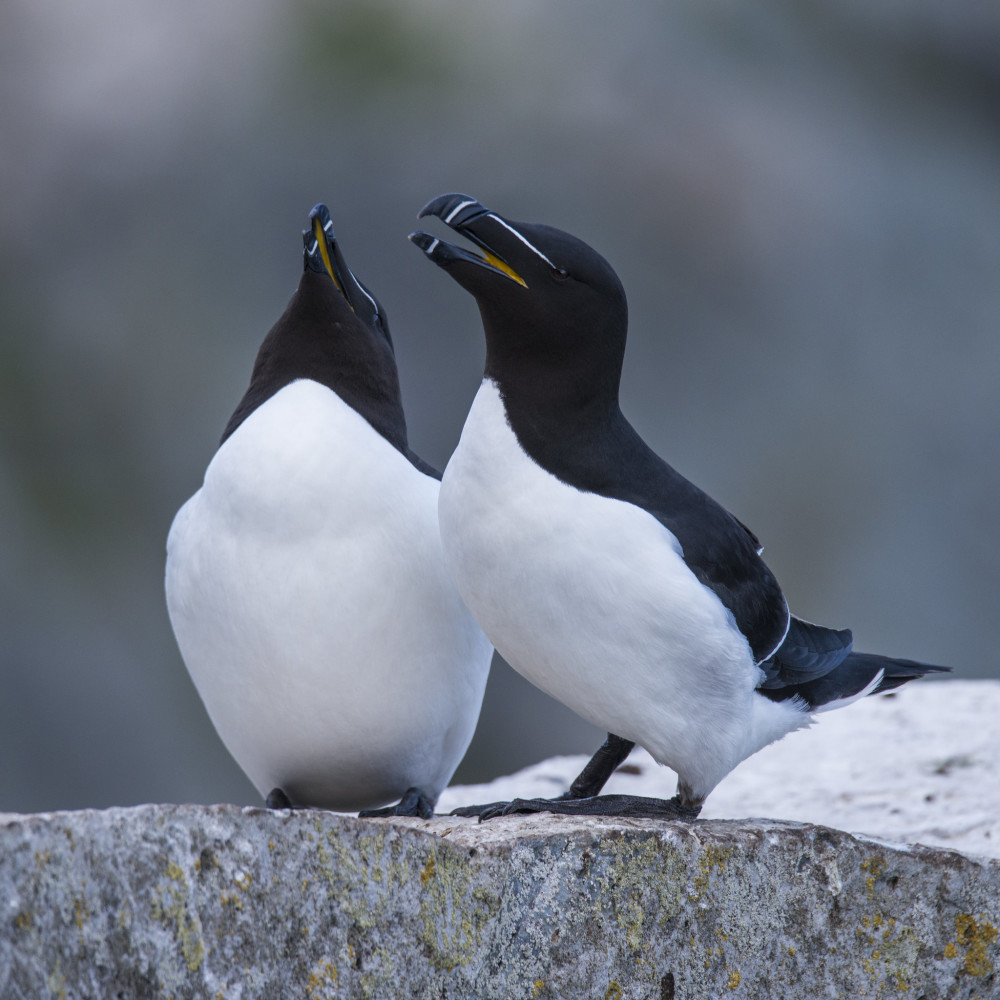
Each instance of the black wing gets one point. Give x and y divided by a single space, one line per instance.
601 453
818 665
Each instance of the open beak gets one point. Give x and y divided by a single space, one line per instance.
321 253
458 212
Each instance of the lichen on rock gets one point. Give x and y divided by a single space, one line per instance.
186 901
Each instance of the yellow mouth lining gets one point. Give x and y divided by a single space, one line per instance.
494 261
324 252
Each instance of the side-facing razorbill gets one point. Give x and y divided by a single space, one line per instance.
598 572
305 580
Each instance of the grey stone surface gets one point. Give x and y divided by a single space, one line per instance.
185 901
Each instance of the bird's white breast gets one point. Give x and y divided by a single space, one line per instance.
307 590
591 600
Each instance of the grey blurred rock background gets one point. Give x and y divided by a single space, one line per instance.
802 200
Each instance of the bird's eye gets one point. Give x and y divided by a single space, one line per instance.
560 273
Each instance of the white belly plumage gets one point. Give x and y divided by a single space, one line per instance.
591 600
308 594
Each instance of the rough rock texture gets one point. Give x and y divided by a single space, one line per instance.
184 901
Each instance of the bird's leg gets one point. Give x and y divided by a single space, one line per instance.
611 754
586 786
583 799
415 802
686 797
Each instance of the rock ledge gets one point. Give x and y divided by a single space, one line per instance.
191 901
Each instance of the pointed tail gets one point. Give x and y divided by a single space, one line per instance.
894 672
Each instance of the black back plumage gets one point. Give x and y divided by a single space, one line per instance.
555 317
555 349
333 332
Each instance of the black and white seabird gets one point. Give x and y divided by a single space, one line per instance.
305 580
599 572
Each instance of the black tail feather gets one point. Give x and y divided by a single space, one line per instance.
850 678
896 672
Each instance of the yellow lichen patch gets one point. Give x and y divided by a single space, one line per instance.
712 856
791 951
950 951
80 912
322 981
427 872
644 876
381 980
23 921
231 899
734 980
347 865
243 881
717 952
894 951
537 988
614 992
452 913
56 982
874 866
975 937
170 908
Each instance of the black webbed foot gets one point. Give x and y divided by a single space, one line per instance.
277 799
415 802
597 805
609 756
487 811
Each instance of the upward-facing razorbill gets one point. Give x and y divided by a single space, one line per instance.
598 572
305 580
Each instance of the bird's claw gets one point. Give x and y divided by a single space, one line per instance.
414 802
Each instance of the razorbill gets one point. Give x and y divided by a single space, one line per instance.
305 580
598 572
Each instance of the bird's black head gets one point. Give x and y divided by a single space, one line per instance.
334 332
554 311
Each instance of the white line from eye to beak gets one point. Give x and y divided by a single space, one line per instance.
530 246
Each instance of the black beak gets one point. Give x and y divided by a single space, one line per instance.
459 211
322 254
455 210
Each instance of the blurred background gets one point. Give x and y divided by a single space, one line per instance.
801 198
